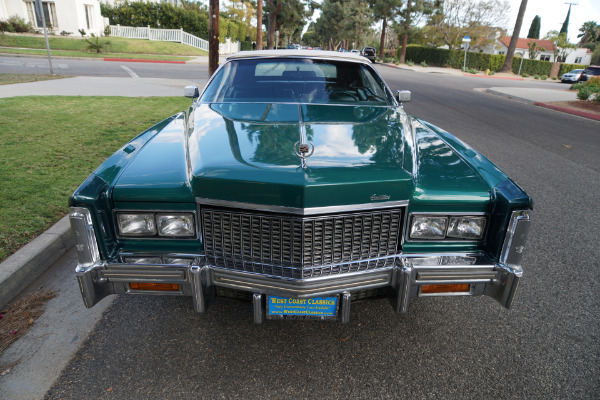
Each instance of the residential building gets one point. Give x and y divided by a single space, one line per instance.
68 16
574 56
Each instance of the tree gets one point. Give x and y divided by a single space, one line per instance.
565 25
562 47
475 18
590 33
534 50
510 52
286 16
384 10
412 14
534 29
259 18
341 22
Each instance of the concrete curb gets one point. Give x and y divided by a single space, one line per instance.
568 110
27 264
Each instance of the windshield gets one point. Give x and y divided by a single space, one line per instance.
297 80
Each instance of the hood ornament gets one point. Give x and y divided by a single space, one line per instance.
304 150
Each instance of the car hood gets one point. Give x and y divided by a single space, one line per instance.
247 153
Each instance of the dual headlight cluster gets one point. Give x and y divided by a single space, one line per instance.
439 227
176 225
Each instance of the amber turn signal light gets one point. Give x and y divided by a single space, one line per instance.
455 288
162 287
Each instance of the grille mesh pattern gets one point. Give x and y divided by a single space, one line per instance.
300 247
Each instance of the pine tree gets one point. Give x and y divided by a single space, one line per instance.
565 25
534 29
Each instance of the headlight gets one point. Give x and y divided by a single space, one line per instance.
175 225
440 227
136 224
466 227
428 227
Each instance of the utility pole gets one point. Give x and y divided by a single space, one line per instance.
40 11
213 36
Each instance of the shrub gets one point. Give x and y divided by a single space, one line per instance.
473 71
584 93
532 67
95 45
525 75
554 78
564 68
19 25
544 77
536 76
410 63
424 64
387 59
587 89
107 30
454 58
5 27
82 32
578 85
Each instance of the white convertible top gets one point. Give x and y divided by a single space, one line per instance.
348 56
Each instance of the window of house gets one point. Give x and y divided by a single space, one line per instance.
578 60
501 52
544 57
49 14
88 16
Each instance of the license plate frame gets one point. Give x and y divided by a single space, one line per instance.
280 307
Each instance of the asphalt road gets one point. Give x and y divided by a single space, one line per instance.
547 346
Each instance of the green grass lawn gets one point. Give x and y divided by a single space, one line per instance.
49 145
71 53
8 79
77 46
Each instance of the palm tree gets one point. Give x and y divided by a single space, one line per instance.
510 53
590 32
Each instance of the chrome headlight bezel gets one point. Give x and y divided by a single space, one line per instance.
455 223
157 218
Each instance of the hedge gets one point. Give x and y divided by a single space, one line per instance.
531 67
453 58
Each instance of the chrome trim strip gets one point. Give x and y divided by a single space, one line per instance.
345 307
515 239
84 234
257 305
301 211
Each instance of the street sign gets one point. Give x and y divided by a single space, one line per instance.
466 39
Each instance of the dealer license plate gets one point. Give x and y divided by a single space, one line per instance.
313 307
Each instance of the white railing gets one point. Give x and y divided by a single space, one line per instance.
165 35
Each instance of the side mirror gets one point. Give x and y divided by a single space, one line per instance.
403 96
191 91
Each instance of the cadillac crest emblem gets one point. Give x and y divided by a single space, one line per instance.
304 150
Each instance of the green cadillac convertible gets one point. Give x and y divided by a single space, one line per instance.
296 182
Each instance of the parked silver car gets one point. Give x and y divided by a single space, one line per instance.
572 76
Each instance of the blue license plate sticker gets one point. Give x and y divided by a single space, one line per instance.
315 307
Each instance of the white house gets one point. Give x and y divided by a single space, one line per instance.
574 56
61 15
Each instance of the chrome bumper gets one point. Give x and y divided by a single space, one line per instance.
406 277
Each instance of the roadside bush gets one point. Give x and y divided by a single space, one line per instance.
107 30
536 76
578 85
544 77
473 71
19 25
246 45
94 44
525 75
387 60
532 67
454 58
424 64
15 24
554 78
587 89
410 63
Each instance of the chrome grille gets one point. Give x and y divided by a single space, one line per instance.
300 247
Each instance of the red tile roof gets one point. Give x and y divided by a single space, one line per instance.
524 43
